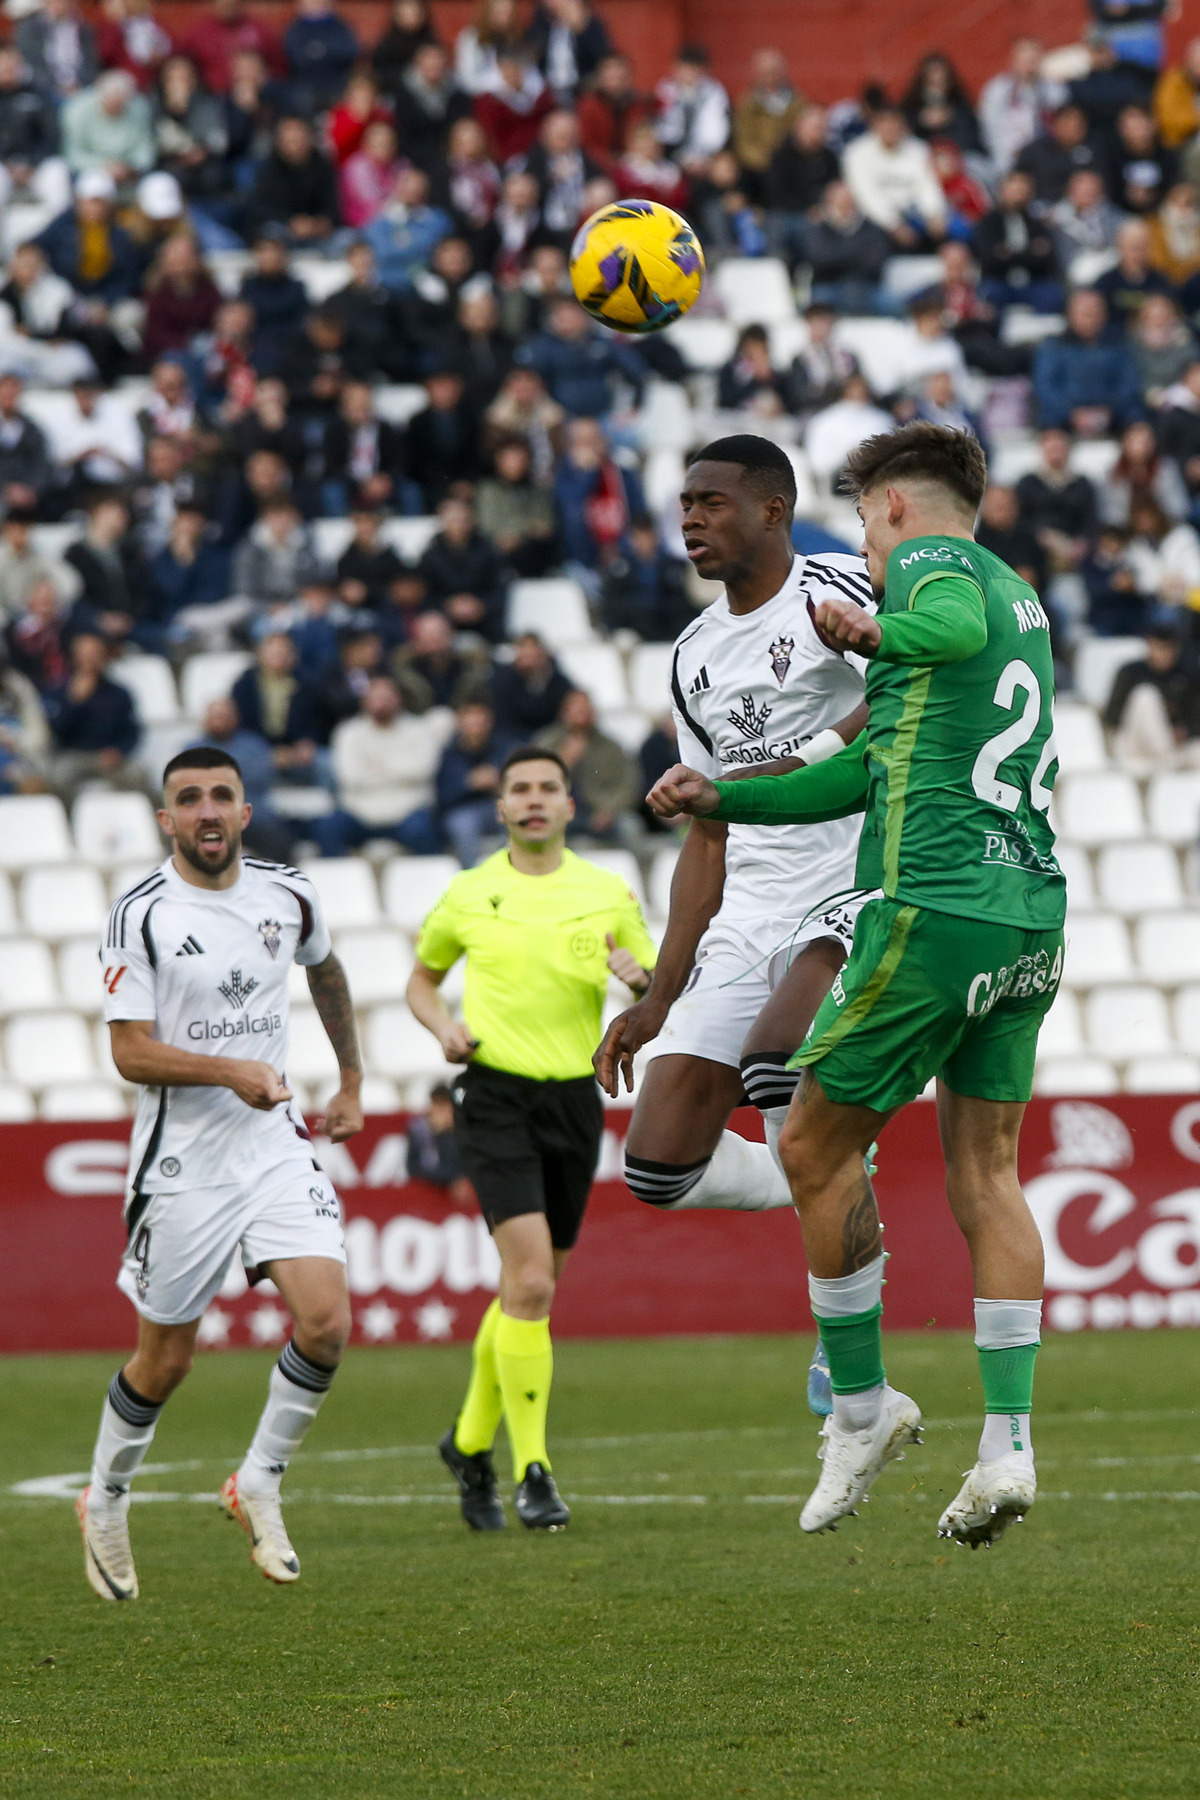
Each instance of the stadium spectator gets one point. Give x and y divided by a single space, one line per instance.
357 657
190 580
1140 170
528 690
21 565
131 39
937 106
1056 153
603 783
659 751
608 109
1153 709
1139 473
226 31
840 427
37 636
1085 219
296 186
749 382
108 127
24 732
569 42
645 587
1082 379
1015 251
272 700
95 443
1058 504
763 117
367 177
112 597
367 567
443 438
797 176
321 49
278 300
431 671
480 346
1126 286
562 171
693 110
496 28
428 103
468 779
463 573
29 138
845 251
1116 607
1002 531
25 469
1163 554
515 512
822 365
892 178
93 726
1163 348
404 231
384 764
410 26
1177 100
181 298
512 104
1016 105
433 1151
594 497
276 556
59 48
94 255
579 363
1175 235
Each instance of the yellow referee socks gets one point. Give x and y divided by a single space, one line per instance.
480 1415
525 1362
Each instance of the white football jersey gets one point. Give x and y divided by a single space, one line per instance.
210 968
748 688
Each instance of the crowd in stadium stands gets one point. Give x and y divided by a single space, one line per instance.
257 285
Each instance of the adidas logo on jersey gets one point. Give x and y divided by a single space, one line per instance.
701 682
190 947
237 990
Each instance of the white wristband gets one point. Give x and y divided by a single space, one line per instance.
827 743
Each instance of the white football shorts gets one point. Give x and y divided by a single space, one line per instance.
183 1243
735 975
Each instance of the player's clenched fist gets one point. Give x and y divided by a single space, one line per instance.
682 790
844 625
258 1084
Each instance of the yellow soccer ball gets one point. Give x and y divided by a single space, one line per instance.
636 265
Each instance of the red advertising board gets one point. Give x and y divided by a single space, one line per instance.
1115 1186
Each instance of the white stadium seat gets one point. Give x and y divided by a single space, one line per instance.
310 1055
597 669
1078 739
397 401
1062 1028
17 1104
321 275
1095 457
27 975
129 875
650 677
628 726
410 538
754 290
116 828
33 829
80 973
414 884
83 1100
53 541
63 902
1099 809
331 537
1076 865
1075 1075
622 863
555 608
346 885
398 1046
377 964
1097 950
1097 661
151 681
662 873
1128 1021
1187 1019
662 477
881 346
1162 1075
42 1048
209 676
8 908
1133 877
705 343
1168 947
1174 806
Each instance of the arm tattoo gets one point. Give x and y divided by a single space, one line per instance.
861 1235
331 997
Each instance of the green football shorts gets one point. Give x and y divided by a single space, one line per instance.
927 993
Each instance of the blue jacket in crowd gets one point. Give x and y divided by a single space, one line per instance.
580 375
403 240
1069 372
105 721
320 55
60 242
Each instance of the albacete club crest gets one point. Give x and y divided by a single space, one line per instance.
781 657
271 930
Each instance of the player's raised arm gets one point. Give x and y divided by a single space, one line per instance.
331 996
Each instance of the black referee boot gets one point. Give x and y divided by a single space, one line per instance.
482 1507
540 1506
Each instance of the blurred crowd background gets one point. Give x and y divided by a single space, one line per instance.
307 449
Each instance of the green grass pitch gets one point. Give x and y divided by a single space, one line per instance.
681 1639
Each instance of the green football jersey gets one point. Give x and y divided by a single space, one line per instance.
960 755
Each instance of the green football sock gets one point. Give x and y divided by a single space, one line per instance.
1008 1379
481 1410
854 1346
525 1361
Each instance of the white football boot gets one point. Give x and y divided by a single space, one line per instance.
107 1558
261 1518
994 1496
852 1459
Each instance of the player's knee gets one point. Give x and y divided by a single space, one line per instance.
324 1332
528 1291
768 1081
662 1184
170 1364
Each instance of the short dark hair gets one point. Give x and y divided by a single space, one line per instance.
922 452
768 469
203 756
534 753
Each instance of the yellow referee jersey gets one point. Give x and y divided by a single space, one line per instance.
536 959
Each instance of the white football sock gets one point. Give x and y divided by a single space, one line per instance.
773 1117
127 1426
1005 1434
855 1412
740 1177
841 1296
297 1388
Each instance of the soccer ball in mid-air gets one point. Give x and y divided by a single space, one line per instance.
636 265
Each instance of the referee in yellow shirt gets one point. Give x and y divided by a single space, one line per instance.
541 929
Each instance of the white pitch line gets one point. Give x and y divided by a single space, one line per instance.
315 1496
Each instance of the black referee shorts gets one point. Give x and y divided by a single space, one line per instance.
530 1146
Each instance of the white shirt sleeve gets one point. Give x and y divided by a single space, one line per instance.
129 986
315 942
